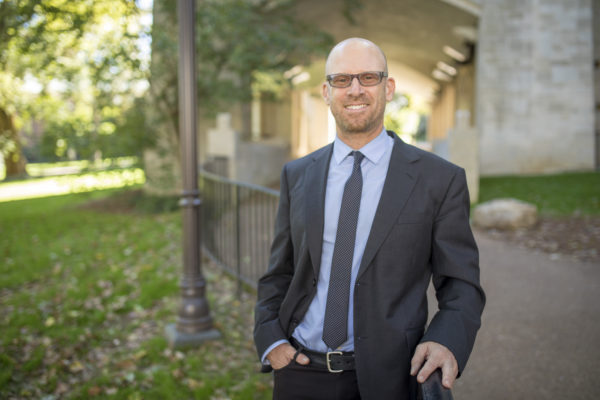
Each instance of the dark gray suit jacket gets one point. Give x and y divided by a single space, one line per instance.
420 232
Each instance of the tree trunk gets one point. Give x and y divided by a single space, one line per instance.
162 162
246 110
10 146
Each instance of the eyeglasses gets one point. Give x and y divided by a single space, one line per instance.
369 78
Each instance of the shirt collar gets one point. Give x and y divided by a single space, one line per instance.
373 151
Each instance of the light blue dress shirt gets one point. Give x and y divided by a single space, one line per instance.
374 170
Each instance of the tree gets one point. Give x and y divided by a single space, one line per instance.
161 161
237 41
51 43
240 38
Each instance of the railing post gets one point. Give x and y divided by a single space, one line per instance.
238 246
194 323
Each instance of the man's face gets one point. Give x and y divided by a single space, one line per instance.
358 109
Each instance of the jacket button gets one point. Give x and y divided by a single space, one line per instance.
314 282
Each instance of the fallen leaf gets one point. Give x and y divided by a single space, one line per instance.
177 373
130 377
61 388
126 364
194 384
76 366
94 391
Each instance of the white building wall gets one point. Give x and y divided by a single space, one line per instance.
535 86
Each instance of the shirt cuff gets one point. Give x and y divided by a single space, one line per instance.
263 359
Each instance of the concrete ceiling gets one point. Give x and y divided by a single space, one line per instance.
412 33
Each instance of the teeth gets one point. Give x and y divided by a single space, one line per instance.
356 107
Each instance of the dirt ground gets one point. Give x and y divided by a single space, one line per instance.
540 327
575 237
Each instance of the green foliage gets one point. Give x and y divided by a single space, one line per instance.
405 118
562 194
238 43
395 113
238 38
131 133
69 71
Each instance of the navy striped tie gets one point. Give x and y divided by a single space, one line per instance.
335 327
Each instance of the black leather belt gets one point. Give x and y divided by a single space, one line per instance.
333 361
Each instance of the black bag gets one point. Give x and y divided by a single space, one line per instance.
432 388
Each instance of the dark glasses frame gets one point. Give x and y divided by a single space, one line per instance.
363 75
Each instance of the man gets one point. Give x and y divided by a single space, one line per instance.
363 225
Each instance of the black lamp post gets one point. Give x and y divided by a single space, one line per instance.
194 323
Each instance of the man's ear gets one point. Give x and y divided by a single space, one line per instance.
326 93
390 88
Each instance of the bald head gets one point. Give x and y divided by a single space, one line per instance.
358 108
346 50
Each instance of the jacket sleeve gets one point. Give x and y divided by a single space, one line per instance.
274 284
455 274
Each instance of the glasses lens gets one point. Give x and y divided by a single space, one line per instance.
369 78
340 80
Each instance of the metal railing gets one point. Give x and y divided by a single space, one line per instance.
237 225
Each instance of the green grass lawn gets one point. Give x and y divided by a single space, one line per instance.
554 195
85 294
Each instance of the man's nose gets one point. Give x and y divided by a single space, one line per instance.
355 86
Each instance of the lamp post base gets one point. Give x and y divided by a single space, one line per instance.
183 340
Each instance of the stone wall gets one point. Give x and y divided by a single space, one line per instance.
257 162
535 87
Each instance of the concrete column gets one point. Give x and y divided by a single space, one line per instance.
596 27
256 118
463 150
222 141
463 140
442 114
535 86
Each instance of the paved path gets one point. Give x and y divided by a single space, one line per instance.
540 335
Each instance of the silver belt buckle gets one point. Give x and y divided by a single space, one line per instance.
329 353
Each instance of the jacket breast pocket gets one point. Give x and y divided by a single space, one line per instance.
408 240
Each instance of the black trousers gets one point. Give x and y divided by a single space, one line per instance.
300 382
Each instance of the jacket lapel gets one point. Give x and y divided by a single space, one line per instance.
399 182
314 187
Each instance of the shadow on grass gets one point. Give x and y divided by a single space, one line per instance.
135 201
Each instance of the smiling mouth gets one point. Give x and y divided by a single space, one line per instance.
355 106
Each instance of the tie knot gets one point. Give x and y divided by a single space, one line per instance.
358 157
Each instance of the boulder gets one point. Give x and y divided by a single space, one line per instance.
505 214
